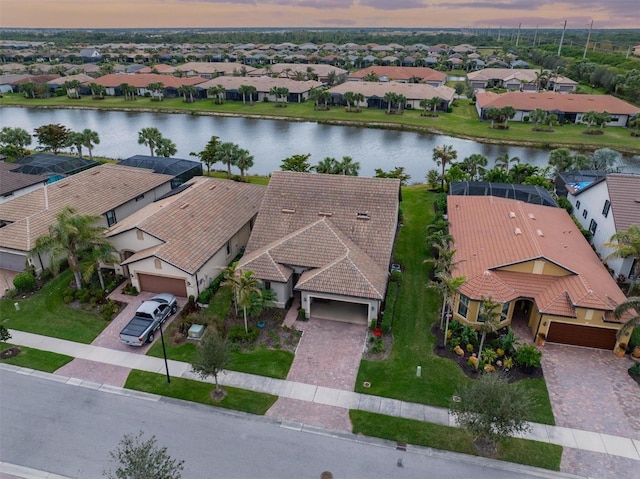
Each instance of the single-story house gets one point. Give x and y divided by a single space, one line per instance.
298 90
518 79
183 241
327 239
533 261
401 74
570 107
140 81
181 170
109 191
609 205
374 93
289 70
14 184
210 70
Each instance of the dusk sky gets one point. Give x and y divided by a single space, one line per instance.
319 13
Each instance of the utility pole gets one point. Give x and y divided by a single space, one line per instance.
535 36
584 55
518 37
499 32
562 37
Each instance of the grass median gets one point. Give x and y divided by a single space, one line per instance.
36 359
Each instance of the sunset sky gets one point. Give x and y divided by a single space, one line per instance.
318 13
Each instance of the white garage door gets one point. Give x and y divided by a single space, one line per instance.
339 311
12 262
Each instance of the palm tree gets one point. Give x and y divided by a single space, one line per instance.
626 244
327 166
90 138
634 122
537 116
503 161
444 155
156 88
425 104
590 118
348 167
489 319
631 305
348 97
28 89
506 114
244 161
217 92
474 165
208 155
73 88
448 286
165 148
71 237
102 253
227 153
391 98
246 285
150 136
97 91
75 140
433 103
493 114
245 90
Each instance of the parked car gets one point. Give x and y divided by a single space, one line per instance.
149 317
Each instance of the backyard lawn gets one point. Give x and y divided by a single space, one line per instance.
45 313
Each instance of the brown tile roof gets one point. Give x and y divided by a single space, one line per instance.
262 84
318 68
548 101
142 80
624 194
401 73
411 91
11 181
94 191
491 233
340 227
504 74
194 224
226 68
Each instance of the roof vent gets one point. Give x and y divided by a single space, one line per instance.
288 210
212 187
517 231
363 216
64 185
184 205
324 213
512 214
540 233
532 216
95 172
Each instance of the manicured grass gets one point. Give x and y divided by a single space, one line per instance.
416 311
37 359
462 122
45 313
521 451
196 391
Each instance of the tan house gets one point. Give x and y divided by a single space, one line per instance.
293 70
140 82
327 239
401 74
536 264
183 241
298 90
110 191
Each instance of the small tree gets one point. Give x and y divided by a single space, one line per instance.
5 335
491 409
143 459
212 357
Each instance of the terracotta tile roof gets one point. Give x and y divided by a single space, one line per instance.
196 223
94 191
11 181
548 101
492 233
142 80
262 84
401 73
624 194
411 91
340 227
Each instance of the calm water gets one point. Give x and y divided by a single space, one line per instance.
269 141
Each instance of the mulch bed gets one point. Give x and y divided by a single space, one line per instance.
11 352
272 335
378 355
513 375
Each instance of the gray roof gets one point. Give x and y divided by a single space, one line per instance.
11 181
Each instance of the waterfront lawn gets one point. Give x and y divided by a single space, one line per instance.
36 359
521 451
416 312
45 313
197 391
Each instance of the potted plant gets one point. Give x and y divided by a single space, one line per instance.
541 339
622 349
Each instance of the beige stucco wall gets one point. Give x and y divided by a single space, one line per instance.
537 267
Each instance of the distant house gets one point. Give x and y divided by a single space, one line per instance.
289 70
183 241
569 107
140 82
14 184
401 74
327 240
90 55
54 167
609 205
298 90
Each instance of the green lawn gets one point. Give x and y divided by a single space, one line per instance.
521 451
196 391
463 122
45 313
416 311
37 359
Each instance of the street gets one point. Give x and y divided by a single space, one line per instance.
69 430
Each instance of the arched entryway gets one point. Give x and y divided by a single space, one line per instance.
524 312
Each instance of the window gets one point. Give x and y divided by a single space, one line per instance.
585 213
504 314
607 207
139 197
228 248
111 217
593 226
463 306
267 285
578 204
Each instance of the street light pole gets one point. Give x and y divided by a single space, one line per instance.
164 353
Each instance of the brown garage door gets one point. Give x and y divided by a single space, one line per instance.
162 284
581 335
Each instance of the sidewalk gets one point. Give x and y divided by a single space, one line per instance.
562 436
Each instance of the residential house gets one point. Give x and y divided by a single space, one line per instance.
575 180
54 167
184 240
109 191
535 264
181 170
298 90
606 206
140 82
508 78
14 184
569 107
401 74
294 70
327 240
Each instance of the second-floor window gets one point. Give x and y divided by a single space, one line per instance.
585 213
593 226
607 207
111 217
578 204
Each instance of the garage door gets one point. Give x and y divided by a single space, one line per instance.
162 284
12 262
339 311
581 335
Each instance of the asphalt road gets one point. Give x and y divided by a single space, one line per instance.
69 430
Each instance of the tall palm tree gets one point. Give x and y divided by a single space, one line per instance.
626 244
634 123
208 155
448 286
537 116
327 166
75 140
71 237
631 304
217 92
443 155
150 137
474 165
103 253
227 153
90 138
244 285
348 167
348 97
244 161
165 148
503 161
489 318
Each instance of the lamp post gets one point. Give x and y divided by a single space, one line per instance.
164 353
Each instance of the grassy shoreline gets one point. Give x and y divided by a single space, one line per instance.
461 123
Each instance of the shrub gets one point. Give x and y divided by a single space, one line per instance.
83 295
67 299
489 356
635 369
387 316
238 335
528 356
635 338
396 277
525 119
205 296
5 335
566 204
108 309
24 282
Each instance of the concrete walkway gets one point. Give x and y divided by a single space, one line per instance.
567 437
